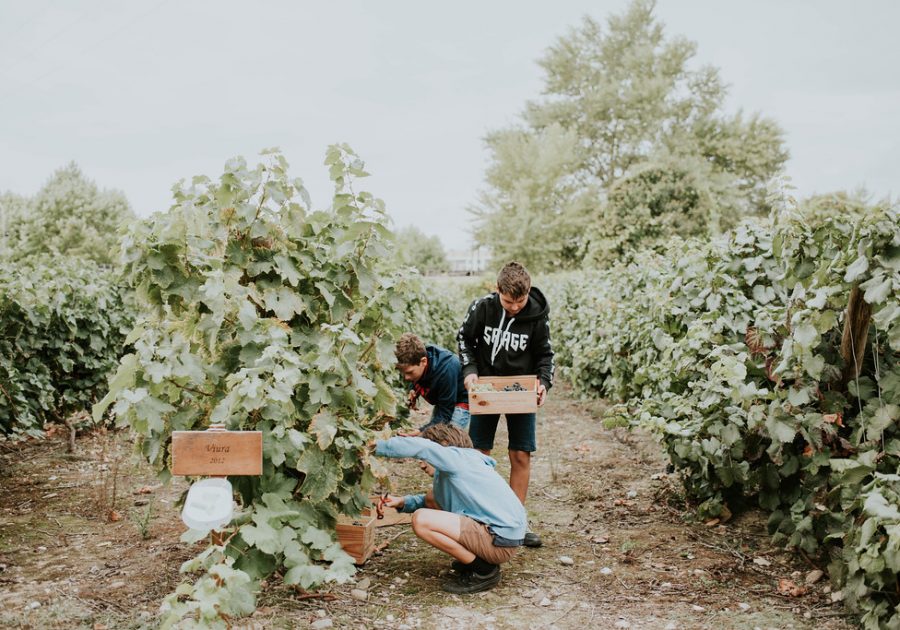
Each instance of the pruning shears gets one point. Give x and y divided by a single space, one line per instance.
379 506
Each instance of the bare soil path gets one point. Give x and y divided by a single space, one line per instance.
620 551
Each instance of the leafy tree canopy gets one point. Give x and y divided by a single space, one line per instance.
12 209
425 253
616 99
69 216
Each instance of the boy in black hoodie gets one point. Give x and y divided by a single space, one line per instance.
507 333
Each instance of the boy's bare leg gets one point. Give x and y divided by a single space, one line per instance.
519 473
441 530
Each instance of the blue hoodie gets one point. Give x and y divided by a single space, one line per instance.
465 483
441 385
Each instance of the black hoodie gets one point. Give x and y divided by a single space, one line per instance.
493 344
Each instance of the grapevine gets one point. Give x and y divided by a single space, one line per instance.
264 314
766 362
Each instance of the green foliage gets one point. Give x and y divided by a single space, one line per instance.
264 314
533 210
62 329
435 308
622 102
425 253
870 560
655 201
13 208
730 352
69 216
221 594
143 519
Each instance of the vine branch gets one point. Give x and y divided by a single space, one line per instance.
188 389
855 335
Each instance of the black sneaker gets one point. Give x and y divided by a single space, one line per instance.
458 567
532 540
472 582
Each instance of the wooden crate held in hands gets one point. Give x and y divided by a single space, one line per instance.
357 535
500 401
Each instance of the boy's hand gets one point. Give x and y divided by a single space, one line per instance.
541 393
470 381
394 502
411 399
410 433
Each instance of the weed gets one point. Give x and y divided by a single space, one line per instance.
143 519
107 484
553 455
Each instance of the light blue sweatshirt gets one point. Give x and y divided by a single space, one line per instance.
466 483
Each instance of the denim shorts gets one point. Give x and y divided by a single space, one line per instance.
520 426
460 418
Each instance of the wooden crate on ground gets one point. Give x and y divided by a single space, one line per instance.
500 401
357 535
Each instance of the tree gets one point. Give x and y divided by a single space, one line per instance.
534 210
12 208
69 216
657 200
425 253
614 100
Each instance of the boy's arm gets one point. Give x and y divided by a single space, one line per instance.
412 502
467 340
446 384
442 458
412 396
543 353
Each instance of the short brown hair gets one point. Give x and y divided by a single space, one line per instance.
513 280
447 435
409 349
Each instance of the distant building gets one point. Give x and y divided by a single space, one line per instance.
468 261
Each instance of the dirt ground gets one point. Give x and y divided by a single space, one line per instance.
620 549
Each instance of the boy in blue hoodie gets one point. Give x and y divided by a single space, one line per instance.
470 512
507 333
436 376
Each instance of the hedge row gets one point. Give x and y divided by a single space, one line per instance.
62 328
741 355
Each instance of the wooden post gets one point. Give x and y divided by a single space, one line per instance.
216 452
856 335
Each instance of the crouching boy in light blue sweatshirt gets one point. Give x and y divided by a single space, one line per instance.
470 512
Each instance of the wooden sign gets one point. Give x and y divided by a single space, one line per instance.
500 401
216 453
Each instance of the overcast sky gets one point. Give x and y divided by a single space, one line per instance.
141 94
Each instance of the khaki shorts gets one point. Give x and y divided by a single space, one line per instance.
475 537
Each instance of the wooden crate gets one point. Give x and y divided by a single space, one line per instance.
500 401
357 535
